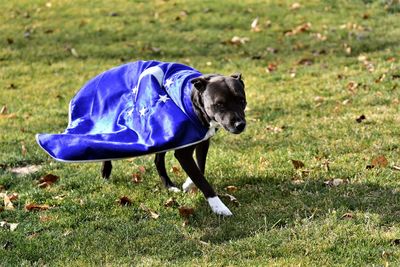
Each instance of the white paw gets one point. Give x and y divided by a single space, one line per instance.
174 189
188 185
218 206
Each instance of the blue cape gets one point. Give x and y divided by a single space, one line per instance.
131 110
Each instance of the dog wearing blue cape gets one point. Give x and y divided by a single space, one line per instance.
147 107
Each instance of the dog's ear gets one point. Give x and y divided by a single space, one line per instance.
200 83
237 76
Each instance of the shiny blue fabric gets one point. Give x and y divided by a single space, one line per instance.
131 110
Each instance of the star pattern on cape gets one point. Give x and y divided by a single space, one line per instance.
168 83
135 90
163 98
143 111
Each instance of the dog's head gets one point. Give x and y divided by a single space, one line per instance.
221 99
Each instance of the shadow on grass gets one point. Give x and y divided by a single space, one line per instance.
267 204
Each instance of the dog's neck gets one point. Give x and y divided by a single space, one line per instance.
198 107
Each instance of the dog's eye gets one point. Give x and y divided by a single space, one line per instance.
219 106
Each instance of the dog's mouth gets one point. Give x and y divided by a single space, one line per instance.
237 128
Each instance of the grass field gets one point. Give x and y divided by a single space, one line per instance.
311 69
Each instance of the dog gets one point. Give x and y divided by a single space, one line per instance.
216 101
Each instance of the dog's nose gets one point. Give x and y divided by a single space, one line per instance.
240 125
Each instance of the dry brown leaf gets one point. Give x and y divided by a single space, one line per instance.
124 201
297 164
295 6
44 185
49 178
305 61
231 199
175 170
8 205
361 118
396 168
152 213
299 29
185 223
4 110
231 188
236 40
9 226
380 161
336 182
170 202
13 196
36 207
271 67
185 212
136 178
254 26
347 216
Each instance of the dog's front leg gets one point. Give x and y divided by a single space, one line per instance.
201 156
185 158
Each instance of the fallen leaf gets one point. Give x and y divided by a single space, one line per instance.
347 216
231 199
185 223
44 185
299 29
136 178
124 201
231 188
236 40
254 26
396 168
175 170
380 161
335 182
45 218
186 212
4 110
274 129
305 61
396 241
352 86
74 52
49 178
295 6
8 205
9 226
298 182
271 67
361 118
380 78
152 213
13 196
170 202
297 164
25 170
36 207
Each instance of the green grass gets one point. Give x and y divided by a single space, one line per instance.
278 222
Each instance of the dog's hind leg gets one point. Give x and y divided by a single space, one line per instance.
162 172
106 169
201 156
185 158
